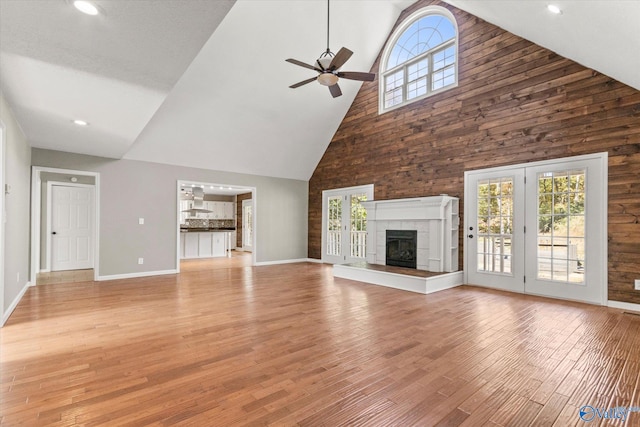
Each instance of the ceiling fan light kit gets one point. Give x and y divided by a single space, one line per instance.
328 66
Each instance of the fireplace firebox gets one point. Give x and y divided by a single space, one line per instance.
401 248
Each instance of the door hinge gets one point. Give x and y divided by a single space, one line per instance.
524 279
525 228
525 179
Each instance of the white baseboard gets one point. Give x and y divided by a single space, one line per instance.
135 275
15 303
624 305
286 261
45 270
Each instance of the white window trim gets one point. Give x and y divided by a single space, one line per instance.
429 10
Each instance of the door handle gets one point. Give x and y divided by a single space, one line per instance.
54 232
470 236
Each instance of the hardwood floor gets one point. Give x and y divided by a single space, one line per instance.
225 344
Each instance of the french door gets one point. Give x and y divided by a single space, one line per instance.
247 225
539 228
344 224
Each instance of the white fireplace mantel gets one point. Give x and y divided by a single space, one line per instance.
436 220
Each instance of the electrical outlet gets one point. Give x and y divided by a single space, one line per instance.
141 221
18 279
140 260
637 283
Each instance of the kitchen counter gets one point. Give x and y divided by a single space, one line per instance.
205 230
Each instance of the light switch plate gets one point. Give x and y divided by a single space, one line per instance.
140 221
637 284
140 260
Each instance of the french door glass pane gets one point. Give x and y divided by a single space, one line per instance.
561 226
248 225
358 232
495 225
334 226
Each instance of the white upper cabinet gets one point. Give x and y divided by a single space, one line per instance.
228 210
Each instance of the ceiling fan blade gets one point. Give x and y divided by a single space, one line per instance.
335 90
302 64
355 75
304 82
341 57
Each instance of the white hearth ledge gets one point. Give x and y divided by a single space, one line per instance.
421 285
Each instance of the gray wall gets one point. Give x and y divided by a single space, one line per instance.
17 175
131 189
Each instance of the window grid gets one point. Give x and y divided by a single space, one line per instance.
334 226
561 226
422 60
495 225
422 76
358 232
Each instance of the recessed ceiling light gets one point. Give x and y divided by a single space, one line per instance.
86 7
554 9
81 122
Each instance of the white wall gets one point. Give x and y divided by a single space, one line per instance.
17 202
131 189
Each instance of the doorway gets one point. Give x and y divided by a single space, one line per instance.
75 247
344 224
2 221
539 228
203 213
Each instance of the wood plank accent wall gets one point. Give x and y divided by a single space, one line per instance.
516 102
239 199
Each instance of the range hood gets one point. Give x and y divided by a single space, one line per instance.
198 202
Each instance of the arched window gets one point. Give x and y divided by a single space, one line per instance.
420 58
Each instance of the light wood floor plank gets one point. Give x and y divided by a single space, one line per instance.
224 343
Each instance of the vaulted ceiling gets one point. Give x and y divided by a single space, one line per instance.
204 83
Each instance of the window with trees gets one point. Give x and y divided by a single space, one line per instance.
420 58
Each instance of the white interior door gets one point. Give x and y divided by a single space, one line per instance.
344 219
539 228
71 230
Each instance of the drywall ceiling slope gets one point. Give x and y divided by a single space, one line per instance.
599 34
232 109
112 70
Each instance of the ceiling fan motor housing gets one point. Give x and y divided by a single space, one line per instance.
327 78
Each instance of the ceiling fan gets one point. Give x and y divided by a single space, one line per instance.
328 68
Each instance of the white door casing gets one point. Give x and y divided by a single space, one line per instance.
549 238
71 228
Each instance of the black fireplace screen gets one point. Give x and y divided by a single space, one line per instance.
402 248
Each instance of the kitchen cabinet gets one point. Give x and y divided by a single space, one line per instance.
203 244
219 210
191 244
228 210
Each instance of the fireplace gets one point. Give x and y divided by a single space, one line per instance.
401 248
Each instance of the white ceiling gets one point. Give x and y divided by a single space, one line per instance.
204 83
